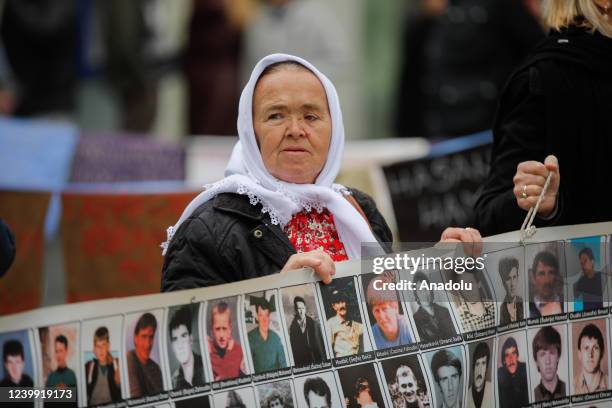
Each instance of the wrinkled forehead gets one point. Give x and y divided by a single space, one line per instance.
288 66
283 66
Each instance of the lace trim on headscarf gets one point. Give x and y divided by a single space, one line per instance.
275 217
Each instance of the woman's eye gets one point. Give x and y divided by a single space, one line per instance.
274 116
311 117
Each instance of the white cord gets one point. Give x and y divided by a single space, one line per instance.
527 229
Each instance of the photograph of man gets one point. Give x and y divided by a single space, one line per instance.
197 402
475 307
267 351
144 374
405 382
344 319
588 290
275 400
432 321
239 398
547 286
590 366
360 387
277 394
62 377
391 327
480 392
346 334
13 361
224 348
447 370
512 385
511 310
102 373
317 393
185 362
547 354
305 336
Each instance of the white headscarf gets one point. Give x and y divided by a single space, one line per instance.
246 173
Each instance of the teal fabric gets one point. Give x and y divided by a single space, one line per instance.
62 377
267 355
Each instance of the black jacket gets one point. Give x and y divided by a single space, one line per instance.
114 389
7 248
556 103
227 239
455 64
307 347
513 391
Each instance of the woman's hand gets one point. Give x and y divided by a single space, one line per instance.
529 181
470 237
318 260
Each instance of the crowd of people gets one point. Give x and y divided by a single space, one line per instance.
116 65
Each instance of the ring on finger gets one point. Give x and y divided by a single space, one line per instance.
524 191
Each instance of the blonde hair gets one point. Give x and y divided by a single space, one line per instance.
564 13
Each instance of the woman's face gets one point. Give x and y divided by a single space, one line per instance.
292 124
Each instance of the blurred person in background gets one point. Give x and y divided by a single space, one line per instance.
457 55
300 27
7 248
54 49
408 118
211 64
553 117
128 35
40 39
7 94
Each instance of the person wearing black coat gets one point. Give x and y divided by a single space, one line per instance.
278 208
512 385
305 337
227 239
7 248
92 369
557 103
456 59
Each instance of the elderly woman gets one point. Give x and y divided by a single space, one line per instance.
554 118
278 208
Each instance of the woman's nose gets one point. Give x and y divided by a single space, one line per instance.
295 128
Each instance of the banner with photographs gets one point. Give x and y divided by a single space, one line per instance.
533 329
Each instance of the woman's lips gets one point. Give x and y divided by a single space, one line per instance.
295 151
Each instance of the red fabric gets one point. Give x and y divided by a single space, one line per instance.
309 231
111 242
24 213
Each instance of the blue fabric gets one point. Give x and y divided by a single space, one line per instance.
132 187
37 155
107 157
402 339
459 144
